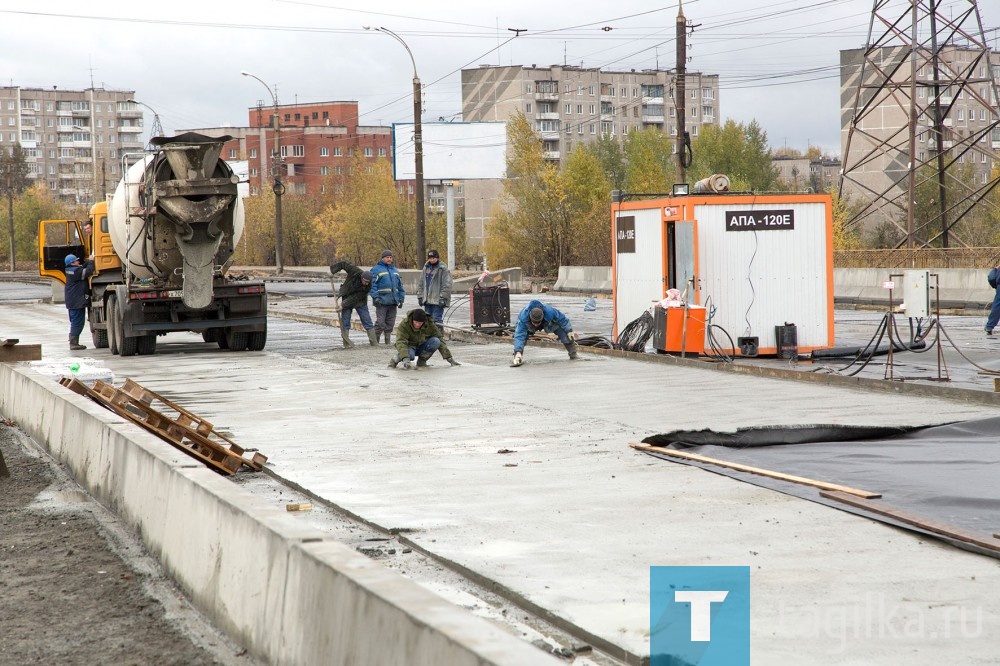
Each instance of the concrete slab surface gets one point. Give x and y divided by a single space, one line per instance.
571 519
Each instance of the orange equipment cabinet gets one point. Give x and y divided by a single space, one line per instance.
669 329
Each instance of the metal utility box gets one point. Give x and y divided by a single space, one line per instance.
753 261
679 330
489 306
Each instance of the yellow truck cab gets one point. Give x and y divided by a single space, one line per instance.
58 238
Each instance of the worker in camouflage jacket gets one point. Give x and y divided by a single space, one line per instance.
417 338
354 297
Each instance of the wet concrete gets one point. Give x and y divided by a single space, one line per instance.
572 518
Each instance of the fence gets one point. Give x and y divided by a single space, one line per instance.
932 257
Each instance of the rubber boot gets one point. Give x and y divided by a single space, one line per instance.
345 336
372 337
571 349
422 361
387 334
74 343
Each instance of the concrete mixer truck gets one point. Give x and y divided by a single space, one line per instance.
162 247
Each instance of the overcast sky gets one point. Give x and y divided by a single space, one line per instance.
777 60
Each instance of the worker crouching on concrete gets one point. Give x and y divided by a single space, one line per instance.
537 317
417 338
75 295
354 297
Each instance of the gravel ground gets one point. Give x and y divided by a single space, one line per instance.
76 587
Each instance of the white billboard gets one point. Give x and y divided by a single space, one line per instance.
452 151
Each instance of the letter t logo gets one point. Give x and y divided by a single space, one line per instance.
701 610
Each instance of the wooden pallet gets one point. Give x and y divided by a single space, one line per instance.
171 422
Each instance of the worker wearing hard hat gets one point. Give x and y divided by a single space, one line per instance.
76 297
537 317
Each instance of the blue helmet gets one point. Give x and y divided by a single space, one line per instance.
70 258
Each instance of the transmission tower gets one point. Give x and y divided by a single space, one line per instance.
921 148
157 129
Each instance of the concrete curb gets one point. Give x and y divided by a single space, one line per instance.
286 592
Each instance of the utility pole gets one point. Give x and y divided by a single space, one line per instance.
418 146
679 88
278 188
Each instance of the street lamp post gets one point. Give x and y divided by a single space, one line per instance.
278 188
418 146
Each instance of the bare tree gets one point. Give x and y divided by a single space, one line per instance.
13 182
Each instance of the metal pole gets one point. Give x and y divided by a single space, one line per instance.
680 101
450 213
418 146
278 188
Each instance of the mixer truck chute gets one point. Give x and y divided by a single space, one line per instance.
163 244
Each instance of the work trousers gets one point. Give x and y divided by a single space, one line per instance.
425 350
436 312
77 318
385 318
363 315
994 317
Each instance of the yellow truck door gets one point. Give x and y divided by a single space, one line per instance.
56 239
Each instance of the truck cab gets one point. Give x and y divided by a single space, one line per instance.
57 238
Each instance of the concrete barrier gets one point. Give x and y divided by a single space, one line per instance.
286 592
960 288
584 279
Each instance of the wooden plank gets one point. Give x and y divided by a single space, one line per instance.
883 509
823 485
15 353
9 342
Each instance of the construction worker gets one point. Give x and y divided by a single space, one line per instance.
434 292
75 296
387 294
417 338
354 297
536 317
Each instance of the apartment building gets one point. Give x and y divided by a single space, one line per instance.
74 139
569 106
878 154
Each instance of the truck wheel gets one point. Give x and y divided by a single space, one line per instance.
236 341
209 335
99 335
146 345
128 346
257 340
112 321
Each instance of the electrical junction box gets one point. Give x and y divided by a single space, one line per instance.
917 293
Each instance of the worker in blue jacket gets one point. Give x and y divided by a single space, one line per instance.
387 294
538 317
75 296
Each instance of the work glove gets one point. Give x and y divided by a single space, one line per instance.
451 360
408 363
394 361
573 336
516 361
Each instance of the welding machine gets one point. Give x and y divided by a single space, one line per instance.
489 305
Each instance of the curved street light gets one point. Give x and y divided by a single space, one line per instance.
278 187
418 144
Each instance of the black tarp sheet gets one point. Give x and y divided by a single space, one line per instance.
949 473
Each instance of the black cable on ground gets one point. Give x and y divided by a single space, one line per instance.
596 341
636 334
